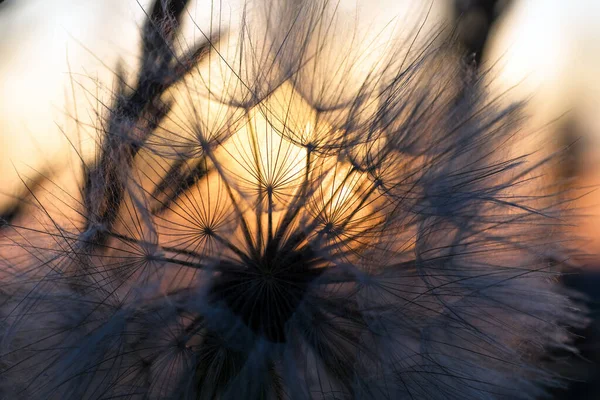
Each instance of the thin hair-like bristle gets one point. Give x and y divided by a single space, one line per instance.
264 218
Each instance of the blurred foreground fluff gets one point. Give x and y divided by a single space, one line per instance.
266 226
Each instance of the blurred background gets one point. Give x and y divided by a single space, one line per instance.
58 59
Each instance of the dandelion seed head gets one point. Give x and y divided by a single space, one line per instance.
251 228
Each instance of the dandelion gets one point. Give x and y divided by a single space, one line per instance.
294 239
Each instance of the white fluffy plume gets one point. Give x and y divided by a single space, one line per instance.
267 219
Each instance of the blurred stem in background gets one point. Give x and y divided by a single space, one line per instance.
474 20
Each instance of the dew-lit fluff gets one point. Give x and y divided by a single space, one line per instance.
263 219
